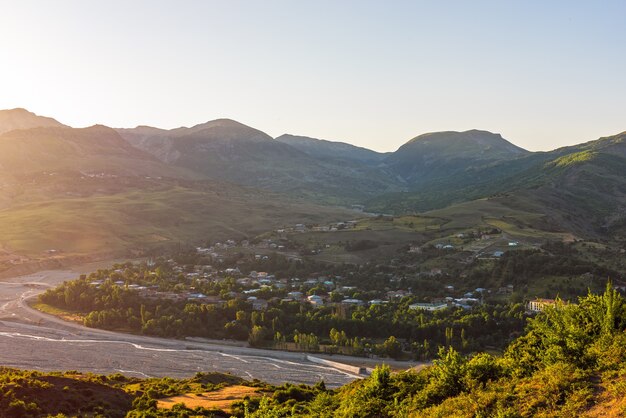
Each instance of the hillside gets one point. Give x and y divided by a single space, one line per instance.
444 154
59 170
68 193
580 189
45 163
230 151
323 149
90 150
23 119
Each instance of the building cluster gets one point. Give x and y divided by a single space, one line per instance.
333 227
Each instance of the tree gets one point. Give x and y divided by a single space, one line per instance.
392 347
258 335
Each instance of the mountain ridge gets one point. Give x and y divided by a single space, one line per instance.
322 148
429 172
20 118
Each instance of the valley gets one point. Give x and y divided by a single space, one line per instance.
32 340
252 254
99 192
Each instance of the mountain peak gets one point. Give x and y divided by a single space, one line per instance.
221 129
20 118
223 123
437 154
475 141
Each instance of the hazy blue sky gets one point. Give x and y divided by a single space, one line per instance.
542 73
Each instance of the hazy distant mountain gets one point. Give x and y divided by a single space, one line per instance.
178 144
323 149
23 119
442 154
88 192
96 149
228 150
160 185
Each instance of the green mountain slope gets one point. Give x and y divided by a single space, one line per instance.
444 154
581 189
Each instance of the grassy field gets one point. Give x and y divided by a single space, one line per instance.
445 226
219 399
517 219
147 218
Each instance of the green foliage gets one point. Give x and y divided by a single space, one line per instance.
575 158
569 354
553 370
565 333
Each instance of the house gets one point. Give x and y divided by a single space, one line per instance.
465 303
321 228
539 304
415 249
311 282
376 302
352 302
429 306
315 300
257 304
397 294
295 295
498 253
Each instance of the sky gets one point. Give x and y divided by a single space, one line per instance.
544 74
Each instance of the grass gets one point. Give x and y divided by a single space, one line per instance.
571 287
518 220
115 223
60 313
518 230
390 235
219 399
575 158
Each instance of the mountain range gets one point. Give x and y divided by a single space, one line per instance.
169 182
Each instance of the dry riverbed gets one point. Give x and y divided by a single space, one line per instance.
31 339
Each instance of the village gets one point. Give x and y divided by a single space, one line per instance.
346 287
263 289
